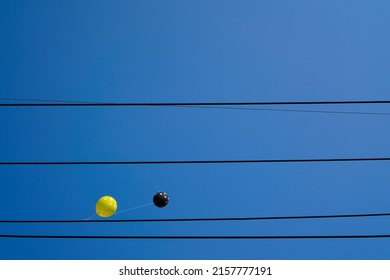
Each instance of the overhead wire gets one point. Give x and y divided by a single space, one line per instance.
45 100
291 110
64 103
196 236
337 216
228 161
203 105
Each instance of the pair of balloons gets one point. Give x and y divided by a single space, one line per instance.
106 206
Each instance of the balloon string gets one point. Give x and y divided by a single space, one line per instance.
133 208
90 217
126 210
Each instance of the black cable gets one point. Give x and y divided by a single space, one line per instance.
196 236
82 103
290 110
197 106
45 100
202 219
190 161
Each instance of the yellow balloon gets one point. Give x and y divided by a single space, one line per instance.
106 206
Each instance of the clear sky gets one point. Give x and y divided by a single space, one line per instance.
195 51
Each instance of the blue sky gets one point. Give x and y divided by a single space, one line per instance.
195 51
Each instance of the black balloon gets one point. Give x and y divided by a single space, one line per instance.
160 199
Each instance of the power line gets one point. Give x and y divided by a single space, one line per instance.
45 100
191 161
196 236
291 110
246 103
202 219
218 105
